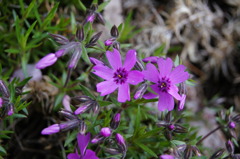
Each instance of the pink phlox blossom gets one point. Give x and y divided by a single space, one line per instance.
118 76
165 79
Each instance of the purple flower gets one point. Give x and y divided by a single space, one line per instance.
232 125
46 61
106 132
110 41
51 129
83 141
166 157
181 102
165 80
1 102
66 103
119 76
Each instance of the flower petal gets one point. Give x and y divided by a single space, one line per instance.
151 73
181 102
46 61
130 59
164 66
103 72
83 141
152 59
95 61
73 156
173 90
90 155
165 102
155 88
149 96
114 59
123 93
178 75
135 77
106 87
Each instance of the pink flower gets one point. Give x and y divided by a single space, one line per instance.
119 76
165 80
1 102
166 157
46 61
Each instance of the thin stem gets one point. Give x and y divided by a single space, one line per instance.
210 133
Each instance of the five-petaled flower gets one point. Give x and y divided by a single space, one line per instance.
85 153
165 80
119 76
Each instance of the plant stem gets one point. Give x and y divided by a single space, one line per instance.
210 133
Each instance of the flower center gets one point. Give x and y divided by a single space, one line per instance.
120 76
164 84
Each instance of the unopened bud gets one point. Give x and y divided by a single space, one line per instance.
179 129
100 18
51 129
116 45
59 38
109 42
139 66
66 103
95 107
97 139
83 107
75 57
46 61
80 34
68 114
166 157
168 117
82 127
106 132
168 135
81 98
1 102
115 121
94 7
59 53
114 31
152 59
171 127
94 39
10 110
232 125
96 61
111 151
217 154
196 151
181 102
4 89
236 118
141 90
69 124
187 152
230 146
162 123
121 142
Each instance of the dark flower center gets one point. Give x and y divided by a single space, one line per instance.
120 76
164 84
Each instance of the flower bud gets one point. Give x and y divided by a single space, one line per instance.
75 57
4 89
166 157
114 31
81 98
232 125
91 18
1 102
230 146
68 114
217 154
95 107
100 18
181 102
82 127
80 34
121 142
115 121
83 108
112 151
116 45
236 118
95 61
179 129
70 124
51 129
59 38
59 53
171 127
196 151
94 39
109 42
10 110
152 59
106 132
97 139
168 135
139 66
66 103
141 90
187 152
46 61
168 117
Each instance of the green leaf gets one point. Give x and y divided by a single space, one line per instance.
29 9
86 91
58 100
18 116
159 51
146 149
13 51
80 5
102 6
177 61
85 55
104 103
23 105
50 16
73 23
177 142
70 137
3 150
137 120
28 33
